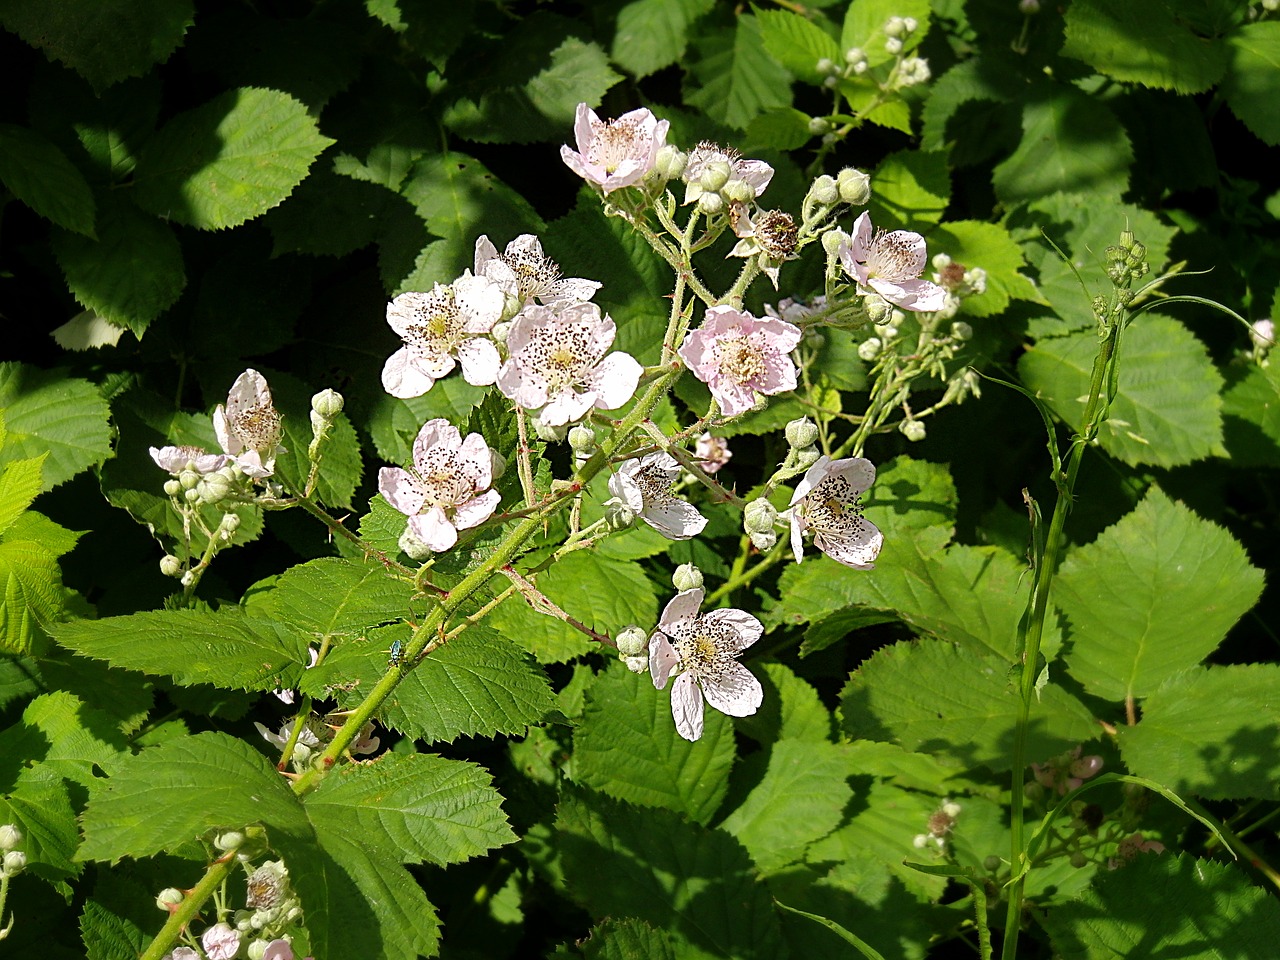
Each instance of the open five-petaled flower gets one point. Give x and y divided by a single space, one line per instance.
703 649
644 485
614 153
248 427
527 274
828 502
738 355
448 488
890 263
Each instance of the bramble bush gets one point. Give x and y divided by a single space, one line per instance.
654 478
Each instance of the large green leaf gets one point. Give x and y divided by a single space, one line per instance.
626 745
695 883
1151 597
732 78
798 44
910 190
989 246
1251 415
800 799
228 161
864 26
1167 411
20 482
167 796
1219 913
225 647
1171 54
1070 142
1252 83
334 598
652 34
1211 732
41 176
39 804
415 808
951 702
32 595
47 411
79 737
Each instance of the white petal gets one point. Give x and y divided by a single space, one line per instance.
675 519
746 628
230 443
797 536
683 606
251 464
400 490
574 289
614 381
485 251
686 707
812 477
662 659
249 390
476 510
859 553
475 453
859 472
480 301
434 529
403 378
623 486
480 362
737 692
565 407
437 432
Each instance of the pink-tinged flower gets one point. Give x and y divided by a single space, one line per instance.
644 485
738 355
278 950
448 488
365 741
755 173
221 942
703 650
827 501
248 428
441 329
614 153
181 953
890 263
770 234
177 460
714 452
524 272
556 363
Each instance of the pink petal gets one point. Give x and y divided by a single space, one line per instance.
736 692
437 432
779 375
686 707
434 529
400 490
662 659
477 510
683 606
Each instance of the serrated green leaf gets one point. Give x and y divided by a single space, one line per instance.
989 246
1251 85
782 129
800 799
167 796
395 423
80 738
416 808
652 34
40 806
1251 416
228 161
334 598
47 411
1172 54
20 483
791 709
1167 408
38 528
732 78
626 745
33 597
328 215
798 44
695 883
969 86
102 40
1070 142
130 274
109 936
477 683
935 698
624 938
864 26
225 648
382 526
1151 597
1219 912
41 176
1210 733
910 188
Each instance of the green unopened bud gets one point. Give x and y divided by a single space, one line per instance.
869 349
825 65
617 515
855 186
188 479
327 403
855 55
991 864
546 431
583 440
686 577
670 162
500 331
413 545
172 487
1078 860
229 525
759 516
832 240
879 310
893 46
257 949
913 430
802 432
895 27
170 566
10 836
213 488
961 330
632 641
715 175
738 191
636 664
231 840
711 203
824 191
168 898
819 125
192 495
15 861
764 540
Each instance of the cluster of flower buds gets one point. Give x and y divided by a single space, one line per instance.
1127 261
1065 773
941 822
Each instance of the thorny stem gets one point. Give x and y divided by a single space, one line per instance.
522 457
186 911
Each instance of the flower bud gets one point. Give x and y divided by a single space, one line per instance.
825 65
498 464
1028 7
670 162
738 191
168 898
711 203
913 430
500 331
819 125
15 861
855 55
583 440
412 545
715 175
617 515
893 46
10 836
806 457
257 949
855 186
637 664
951 809
188 579
879 310
1086 767
327 403
546 431
832 240
686 577
229 525
188 479
632 641
318 423
192 495
920 841
759 516
231 840
824 191
1078 860
802 432
991 864
895 27
869 349
172 487
764 540
831 83
213 488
